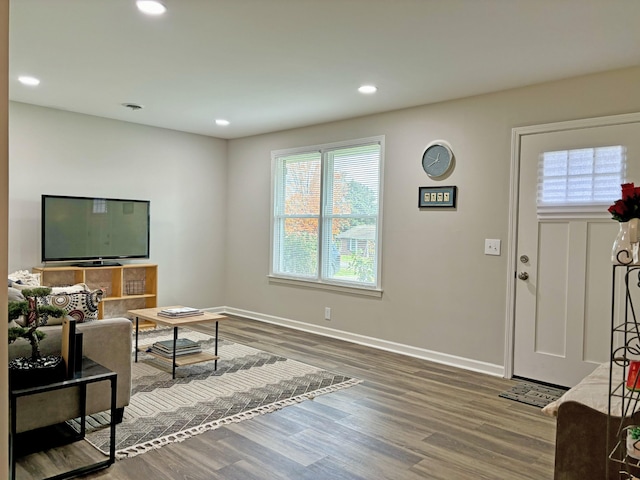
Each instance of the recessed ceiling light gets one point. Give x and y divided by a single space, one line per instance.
31 81
151 7
132 106
222 122
368 89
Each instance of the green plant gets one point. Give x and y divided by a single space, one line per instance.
362 266
302 248
634 432
34 315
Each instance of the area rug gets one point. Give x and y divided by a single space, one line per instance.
533 394
247 383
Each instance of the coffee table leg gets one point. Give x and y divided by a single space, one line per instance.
137 325
175 339
215 365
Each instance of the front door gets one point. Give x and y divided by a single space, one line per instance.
563 267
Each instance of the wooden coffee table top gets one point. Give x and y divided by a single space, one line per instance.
151 314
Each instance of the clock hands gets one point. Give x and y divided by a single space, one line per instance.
435 161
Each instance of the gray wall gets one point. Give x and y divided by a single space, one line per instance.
183 175
443 298
210 202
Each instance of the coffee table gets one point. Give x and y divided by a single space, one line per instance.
151 315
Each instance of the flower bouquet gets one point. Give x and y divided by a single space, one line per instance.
626 211
628 206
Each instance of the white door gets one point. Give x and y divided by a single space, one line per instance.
563 309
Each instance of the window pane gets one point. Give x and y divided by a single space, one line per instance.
302 187
356 180
299 247
581 176
357 244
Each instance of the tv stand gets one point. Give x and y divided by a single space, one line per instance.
97 263
127 287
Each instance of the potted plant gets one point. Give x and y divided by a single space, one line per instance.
633 441
29 371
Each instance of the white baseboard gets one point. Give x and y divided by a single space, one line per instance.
442 358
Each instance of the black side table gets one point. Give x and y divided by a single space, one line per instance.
91 372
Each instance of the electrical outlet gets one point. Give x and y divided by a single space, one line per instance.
327 313
491 246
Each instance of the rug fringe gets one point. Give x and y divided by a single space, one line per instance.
185 434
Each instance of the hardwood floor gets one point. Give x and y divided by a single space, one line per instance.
408 419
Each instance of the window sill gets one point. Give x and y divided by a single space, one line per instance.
336 287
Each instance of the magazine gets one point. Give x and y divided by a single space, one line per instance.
180 311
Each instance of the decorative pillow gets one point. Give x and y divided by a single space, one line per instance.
78 287
81 306
25 277
15 295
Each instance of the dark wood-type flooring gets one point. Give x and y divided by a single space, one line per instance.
408 419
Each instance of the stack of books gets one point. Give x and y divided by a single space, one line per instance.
184 346
179 312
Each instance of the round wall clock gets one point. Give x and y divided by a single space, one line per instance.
437 159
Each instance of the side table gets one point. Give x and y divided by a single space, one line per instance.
91 372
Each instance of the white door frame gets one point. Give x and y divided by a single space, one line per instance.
516 138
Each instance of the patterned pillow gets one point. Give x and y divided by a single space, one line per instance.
81 306
78 287
25 277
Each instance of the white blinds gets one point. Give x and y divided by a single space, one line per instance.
326 213
581 182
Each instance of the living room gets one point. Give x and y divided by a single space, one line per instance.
442 298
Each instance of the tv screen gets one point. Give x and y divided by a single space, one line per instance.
85 228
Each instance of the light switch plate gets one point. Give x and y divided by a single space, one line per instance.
491 246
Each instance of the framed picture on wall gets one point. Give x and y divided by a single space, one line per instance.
442 197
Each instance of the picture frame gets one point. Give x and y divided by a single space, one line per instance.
440 197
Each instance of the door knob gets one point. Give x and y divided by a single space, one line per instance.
523 276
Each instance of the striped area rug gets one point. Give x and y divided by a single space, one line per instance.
247 383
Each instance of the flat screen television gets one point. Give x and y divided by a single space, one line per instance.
92 229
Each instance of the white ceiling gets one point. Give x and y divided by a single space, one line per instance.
268 65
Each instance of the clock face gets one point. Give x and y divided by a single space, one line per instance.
437 160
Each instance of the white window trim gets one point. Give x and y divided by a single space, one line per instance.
329 284
326 285
566 212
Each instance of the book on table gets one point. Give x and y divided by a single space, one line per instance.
184 346
180 312
164 353
181 344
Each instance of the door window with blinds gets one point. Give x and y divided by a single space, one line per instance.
326 213
580 182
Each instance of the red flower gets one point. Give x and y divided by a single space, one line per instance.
628 206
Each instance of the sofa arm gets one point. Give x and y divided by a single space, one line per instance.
107 342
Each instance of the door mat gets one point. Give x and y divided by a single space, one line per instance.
533 393
247 383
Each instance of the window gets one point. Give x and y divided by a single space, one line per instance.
582 181
99 205
326 213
